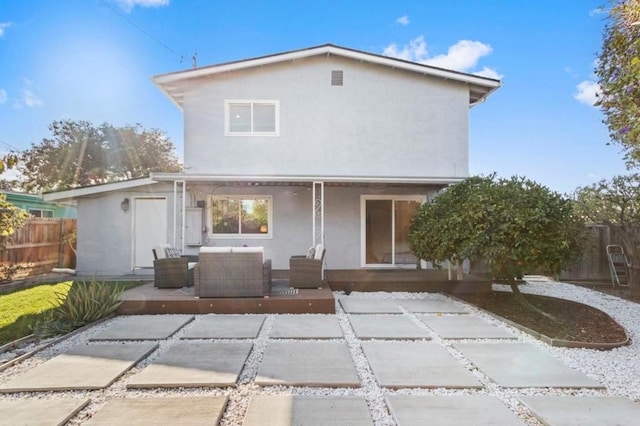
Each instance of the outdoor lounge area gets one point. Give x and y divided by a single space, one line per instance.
380 359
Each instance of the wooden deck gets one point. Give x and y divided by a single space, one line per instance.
147 299
411 280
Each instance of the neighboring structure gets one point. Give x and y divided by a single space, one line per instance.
37 207
325 144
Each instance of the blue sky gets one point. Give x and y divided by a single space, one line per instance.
93 60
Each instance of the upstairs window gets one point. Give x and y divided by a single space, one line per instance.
241 216
252 118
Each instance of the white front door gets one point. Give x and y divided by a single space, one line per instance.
149 228
385 229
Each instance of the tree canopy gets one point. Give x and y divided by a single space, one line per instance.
616 202
80 153
517 225
618 71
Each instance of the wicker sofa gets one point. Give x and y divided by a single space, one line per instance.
232 272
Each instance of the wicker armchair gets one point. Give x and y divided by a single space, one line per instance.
171 272
305 272
232 272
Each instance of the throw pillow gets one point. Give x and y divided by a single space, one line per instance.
311 253
172 252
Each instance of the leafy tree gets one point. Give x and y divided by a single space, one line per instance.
517 225
12 218
616 202
81 154
618 72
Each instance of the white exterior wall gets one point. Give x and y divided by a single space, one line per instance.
383 122
105 232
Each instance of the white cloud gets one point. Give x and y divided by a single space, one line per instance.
3 26
28 98
3 96
128 5
489 73
415 51
587 92
462 56
403 20
597 11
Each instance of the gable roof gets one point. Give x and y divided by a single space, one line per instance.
172 84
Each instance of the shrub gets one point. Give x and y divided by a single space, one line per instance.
9 270
85 302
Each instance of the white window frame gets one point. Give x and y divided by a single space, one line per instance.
53 213
261 236
227 117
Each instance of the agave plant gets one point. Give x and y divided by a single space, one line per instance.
85 302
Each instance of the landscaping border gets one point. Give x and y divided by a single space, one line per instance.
561 343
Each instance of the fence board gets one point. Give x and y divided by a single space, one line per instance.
594 266
39 242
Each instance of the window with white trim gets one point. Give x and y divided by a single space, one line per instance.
41 212
240 216
252 118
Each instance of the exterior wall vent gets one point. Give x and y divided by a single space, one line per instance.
337 78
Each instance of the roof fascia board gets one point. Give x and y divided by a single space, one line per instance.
170 177
329 50
97 189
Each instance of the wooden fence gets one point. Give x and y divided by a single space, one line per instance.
39 243
594 266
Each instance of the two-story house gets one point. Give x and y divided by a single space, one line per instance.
325 144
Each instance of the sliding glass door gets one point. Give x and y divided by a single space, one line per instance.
385 230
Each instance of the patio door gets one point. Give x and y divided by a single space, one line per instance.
385 230
149 228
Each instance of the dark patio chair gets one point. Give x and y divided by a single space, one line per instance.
306 271
171 272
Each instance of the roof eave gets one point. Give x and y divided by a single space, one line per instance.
73 194
165 81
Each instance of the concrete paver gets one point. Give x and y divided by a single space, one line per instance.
306 327
459 410
283 410
386 327
191 411
464 327
143 327
431 306
369 306
82 367
326 364
416 364
583 410
41 412
521 365
190 364
225 327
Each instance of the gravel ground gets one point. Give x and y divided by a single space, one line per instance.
617 369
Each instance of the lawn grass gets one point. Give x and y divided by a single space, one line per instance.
22 309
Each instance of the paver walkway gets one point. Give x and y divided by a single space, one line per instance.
375 359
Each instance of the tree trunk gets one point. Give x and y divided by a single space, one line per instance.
519 297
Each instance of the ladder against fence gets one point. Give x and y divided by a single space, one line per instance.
618 265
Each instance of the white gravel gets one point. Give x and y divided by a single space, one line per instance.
617 369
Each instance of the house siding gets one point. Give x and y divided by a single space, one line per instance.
382 122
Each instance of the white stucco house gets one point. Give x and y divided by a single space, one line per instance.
324 144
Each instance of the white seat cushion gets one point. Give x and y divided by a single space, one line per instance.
215 249
160 250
